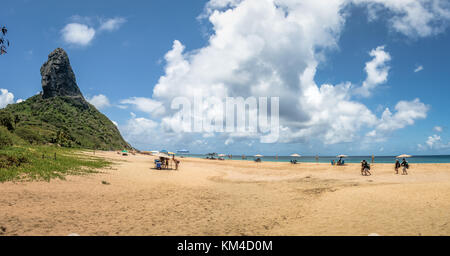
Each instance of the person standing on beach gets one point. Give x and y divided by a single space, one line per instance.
405 165
397 166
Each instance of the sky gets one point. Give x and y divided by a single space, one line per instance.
353 77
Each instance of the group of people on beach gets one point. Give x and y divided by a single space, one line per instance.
339 162
365 167
404 164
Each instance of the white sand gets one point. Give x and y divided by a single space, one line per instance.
231 198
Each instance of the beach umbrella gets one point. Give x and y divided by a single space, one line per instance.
162 155
296 155
222 155
124 151
404 156
342 156
259 155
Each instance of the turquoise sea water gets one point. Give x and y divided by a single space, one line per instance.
350 159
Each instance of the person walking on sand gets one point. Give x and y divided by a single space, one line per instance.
405 165
362 167
397 166
366 168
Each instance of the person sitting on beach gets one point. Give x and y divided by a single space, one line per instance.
339 162
397 166
405 165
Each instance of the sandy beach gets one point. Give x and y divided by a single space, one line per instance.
207 197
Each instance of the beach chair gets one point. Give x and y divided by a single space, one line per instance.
158 165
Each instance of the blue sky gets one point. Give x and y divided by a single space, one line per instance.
126 58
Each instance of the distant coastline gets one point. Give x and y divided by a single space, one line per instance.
428 159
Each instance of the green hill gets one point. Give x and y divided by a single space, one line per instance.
66 121
59 115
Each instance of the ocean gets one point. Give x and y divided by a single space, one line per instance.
328 159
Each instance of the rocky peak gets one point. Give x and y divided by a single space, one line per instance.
58 78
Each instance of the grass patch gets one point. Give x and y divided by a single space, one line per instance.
30 163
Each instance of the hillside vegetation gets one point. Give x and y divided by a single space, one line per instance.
65 121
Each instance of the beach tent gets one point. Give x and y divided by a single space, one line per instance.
124 153
404 156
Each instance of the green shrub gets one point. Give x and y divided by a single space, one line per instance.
6 120
30 135
5 138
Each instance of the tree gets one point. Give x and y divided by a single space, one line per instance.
4 43
16 119
6 120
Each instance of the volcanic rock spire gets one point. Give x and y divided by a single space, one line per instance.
58 78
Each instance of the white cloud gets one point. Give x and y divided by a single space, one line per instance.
438 129
435 142
412 18
377 71
418 69
20 101
115 123
139 130
78 34
112 24
273 48
145 105
432 140
81 31
407 112
99 101
6 98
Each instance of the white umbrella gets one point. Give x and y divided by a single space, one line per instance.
162 155
342 156
296 155
404 156
222 155
259 155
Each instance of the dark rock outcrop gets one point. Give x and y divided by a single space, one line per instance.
58 78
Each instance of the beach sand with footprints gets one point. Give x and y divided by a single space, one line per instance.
206 197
